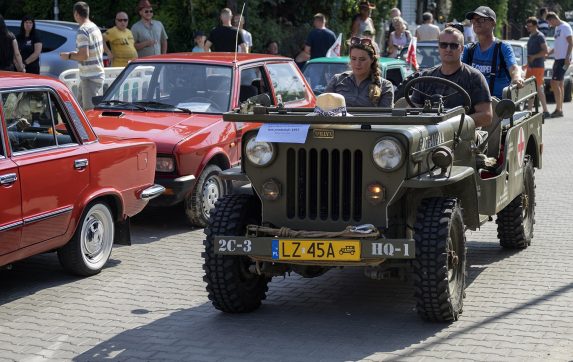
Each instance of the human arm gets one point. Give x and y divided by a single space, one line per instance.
387 94
107 50
244 47
207 46
483 114
569 49
163 40
302 57
512 66
17 57
35 55
391 48
541 54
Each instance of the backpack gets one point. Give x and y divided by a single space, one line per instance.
494 70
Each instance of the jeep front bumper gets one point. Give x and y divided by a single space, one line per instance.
316 251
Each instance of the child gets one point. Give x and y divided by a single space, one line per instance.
199 41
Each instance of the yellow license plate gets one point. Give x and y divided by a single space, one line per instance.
323 250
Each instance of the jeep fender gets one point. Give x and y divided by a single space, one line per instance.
460 183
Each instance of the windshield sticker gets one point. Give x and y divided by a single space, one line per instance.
283 133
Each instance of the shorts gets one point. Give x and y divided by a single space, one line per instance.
87 90
558 71
537 73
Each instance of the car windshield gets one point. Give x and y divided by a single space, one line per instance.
319 74
428 55
197 88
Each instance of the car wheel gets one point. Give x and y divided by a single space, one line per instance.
440 264
567 91
515 221
231 285
90 247
201 201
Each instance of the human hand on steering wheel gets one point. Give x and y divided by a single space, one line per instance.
467 103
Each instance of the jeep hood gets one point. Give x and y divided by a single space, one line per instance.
166 129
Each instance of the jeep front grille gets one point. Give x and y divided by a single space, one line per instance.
324 184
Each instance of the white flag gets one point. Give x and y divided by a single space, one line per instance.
334 50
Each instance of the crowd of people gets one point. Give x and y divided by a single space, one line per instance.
473 42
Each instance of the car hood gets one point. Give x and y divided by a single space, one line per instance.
166 129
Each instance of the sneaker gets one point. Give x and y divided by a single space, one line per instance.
557 114
546 115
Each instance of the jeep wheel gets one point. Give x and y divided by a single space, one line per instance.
231 286
440 264
515 221
201 201
90 247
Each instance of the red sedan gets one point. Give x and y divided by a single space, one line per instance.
177 100
62 187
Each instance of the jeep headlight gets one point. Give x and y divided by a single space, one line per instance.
164 164
388 154
259 153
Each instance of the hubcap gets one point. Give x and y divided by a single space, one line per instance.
211 192
94 236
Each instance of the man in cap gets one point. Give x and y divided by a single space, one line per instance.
224 38
149 35
492 57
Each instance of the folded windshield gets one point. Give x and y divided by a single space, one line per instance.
172 86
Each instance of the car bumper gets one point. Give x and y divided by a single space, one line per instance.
152 192
175 190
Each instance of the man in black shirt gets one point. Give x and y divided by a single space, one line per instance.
451 45
223 37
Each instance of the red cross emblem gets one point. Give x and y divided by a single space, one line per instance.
520 147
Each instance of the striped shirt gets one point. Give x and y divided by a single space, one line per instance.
90 36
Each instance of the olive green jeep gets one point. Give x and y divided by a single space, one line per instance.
389 190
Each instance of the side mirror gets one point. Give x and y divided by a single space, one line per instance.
97 100
505 108
262 99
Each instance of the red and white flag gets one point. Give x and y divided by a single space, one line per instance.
411 55
334 50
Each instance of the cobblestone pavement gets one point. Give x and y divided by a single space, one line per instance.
150 302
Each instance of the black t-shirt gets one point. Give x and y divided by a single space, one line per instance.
223 39
467 77
319 41
7 52
26 45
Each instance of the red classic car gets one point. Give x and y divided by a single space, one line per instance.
177 100
61 187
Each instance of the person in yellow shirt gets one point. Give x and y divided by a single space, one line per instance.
121 41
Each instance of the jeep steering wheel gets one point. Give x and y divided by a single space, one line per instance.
457 89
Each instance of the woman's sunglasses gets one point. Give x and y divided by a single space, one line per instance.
364 41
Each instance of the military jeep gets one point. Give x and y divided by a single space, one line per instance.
389 190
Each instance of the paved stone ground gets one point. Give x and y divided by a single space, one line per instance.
150 302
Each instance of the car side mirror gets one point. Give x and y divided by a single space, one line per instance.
505 108
97 100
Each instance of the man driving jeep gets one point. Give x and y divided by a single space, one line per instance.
451 45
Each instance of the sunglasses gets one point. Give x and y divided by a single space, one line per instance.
148 11
480 20
364 41
120 19
452 46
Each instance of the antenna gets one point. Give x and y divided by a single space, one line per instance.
238 30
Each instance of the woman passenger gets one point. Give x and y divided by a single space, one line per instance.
30 45
363 85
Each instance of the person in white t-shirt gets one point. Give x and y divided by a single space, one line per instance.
561 51
239 23
427 31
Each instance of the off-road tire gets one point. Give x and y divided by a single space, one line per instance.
90 247
208 188
440 264
515 221
231 286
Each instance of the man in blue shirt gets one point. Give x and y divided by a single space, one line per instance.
320 39
487 54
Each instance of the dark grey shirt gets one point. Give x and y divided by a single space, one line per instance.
534 44
357 95
467 77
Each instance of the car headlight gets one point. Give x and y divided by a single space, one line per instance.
259 153
388 154
164 164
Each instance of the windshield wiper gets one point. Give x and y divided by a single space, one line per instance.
164 105
122 103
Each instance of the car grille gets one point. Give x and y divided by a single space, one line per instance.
324 184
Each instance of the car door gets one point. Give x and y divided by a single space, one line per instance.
53 166
10 209
289 85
